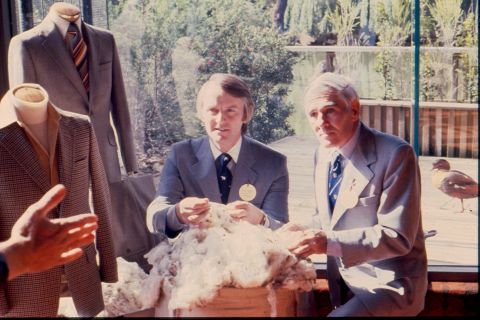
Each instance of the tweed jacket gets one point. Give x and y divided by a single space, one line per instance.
39 55
189 171
23 182
378 225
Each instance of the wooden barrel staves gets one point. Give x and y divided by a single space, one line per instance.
238 302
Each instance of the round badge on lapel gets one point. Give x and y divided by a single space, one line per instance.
247 192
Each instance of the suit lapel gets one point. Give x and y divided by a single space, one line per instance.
61 57
16 143
92 46
356 176
65 144
321 188
244 172
205 170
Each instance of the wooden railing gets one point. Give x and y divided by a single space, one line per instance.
446 129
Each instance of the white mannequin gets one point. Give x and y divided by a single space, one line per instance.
62 13
66 11
31 101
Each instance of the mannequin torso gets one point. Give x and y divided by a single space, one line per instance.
67 11
31 102
62 14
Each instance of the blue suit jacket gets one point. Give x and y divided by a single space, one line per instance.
189 171
377 222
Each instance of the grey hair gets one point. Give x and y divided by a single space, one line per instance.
333 83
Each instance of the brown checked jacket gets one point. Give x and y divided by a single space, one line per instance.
23 182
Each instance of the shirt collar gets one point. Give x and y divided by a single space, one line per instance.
63 24
347 149
233 152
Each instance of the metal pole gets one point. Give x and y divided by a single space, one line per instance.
415 119
8 28
87 11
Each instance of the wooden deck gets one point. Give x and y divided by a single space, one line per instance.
456 241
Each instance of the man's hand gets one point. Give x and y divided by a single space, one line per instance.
243 210
38 243
192 210
308 242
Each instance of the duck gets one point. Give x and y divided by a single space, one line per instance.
453 183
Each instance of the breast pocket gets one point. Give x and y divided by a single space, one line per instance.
363 214
368 201
105 78
105 65
80 163
80 172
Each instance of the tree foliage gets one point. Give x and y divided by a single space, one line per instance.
233 36
447 16
344 18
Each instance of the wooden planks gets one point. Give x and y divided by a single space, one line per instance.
444 129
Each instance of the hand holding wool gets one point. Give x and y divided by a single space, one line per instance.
243 210
192 210
312 241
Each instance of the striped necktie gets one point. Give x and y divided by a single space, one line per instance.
334 180
78 50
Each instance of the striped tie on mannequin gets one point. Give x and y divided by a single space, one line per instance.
78 50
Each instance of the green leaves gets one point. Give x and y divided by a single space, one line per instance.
229 36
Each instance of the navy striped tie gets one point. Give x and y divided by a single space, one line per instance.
334 180
78 50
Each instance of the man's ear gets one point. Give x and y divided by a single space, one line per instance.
356 110
356 114
244 116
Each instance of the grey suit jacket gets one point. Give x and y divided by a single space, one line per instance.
377 222
39 55
22 182
190 172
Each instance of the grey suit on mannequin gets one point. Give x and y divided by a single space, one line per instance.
40 55
190 172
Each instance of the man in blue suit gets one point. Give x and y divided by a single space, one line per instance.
367 187
225 166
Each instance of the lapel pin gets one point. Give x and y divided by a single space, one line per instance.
352 184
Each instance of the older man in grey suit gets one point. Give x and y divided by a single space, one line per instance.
224 166
367 187
40 55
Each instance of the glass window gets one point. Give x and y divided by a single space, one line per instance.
168 48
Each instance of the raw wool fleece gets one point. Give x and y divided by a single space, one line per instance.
123 296
221 253
120 298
